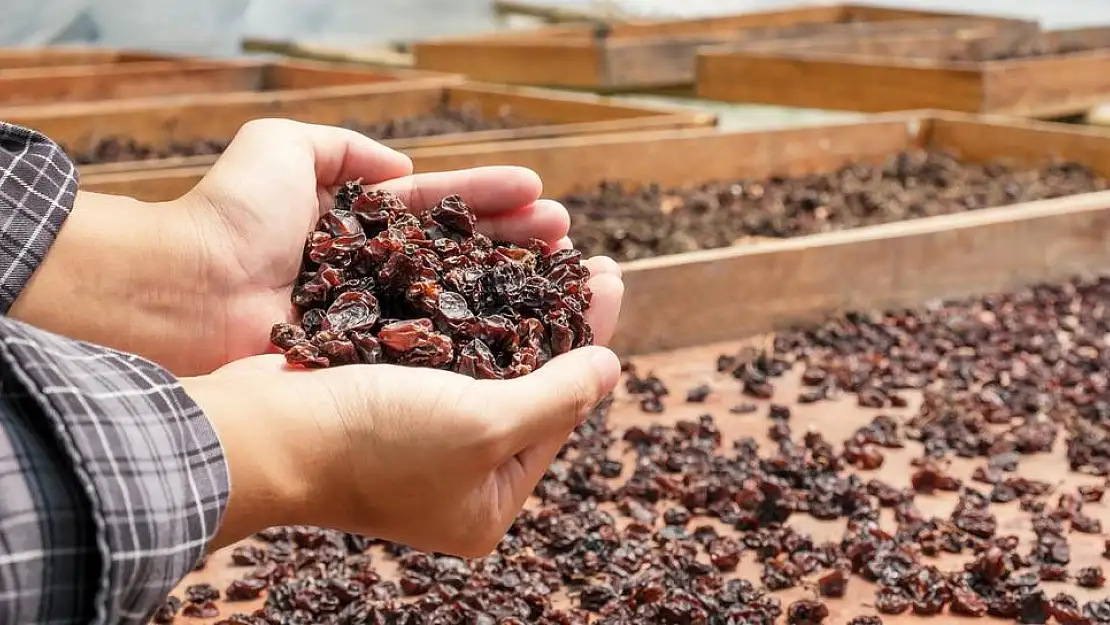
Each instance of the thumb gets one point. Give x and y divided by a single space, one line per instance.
552 400
280 153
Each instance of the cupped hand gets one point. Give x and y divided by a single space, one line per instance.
265 193
197 282
429 458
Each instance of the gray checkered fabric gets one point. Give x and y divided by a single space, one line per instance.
37 187
112 481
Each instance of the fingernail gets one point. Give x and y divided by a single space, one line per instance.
607 368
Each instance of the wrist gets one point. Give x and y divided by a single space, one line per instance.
267 450
126 274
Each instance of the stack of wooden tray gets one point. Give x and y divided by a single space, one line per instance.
638 55
1013 70
187 120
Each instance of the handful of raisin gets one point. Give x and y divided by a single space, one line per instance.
381 285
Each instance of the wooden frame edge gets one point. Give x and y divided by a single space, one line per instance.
684 300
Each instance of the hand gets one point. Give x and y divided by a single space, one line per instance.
198 282
428 458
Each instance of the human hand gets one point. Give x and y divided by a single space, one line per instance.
198 282
257 209
425 457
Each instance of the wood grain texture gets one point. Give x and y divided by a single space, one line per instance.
766 286
162 121
633 55
206 81
872 85
110 81
60 56
890 73
1049 87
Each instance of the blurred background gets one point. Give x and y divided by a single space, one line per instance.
218 27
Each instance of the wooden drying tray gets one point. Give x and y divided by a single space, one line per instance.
209 79
183 119
837 421
20 58
637 55
684 299
893 73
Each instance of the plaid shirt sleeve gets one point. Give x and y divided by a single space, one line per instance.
112 481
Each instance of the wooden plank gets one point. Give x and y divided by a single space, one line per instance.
1022 142
636 55
917 71
206 79
59 56
551 63
189 119
311 74
153 185
682 158
1049 87
903 38
674 60
570 164
124 80
750 289
872 86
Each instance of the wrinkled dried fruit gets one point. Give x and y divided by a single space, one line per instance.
381 285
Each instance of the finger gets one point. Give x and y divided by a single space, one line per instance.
343 155
337 154
564 244
523 471
552 400
605 306
487 190
546 220
599 265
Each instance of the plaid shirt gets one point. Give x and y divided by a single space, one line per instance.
112 481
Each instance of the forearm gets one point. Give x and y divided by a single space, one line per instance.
115 460
265 444
120 274
106 269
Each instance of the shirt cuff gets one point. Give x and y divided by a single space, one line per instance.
144 453
38 185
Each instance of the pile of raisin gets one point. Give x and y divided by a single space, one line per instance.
380 284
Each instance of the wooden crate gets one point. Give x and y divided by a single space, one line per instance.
679 300
162 121
21 58
640 55
209 79
900 72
